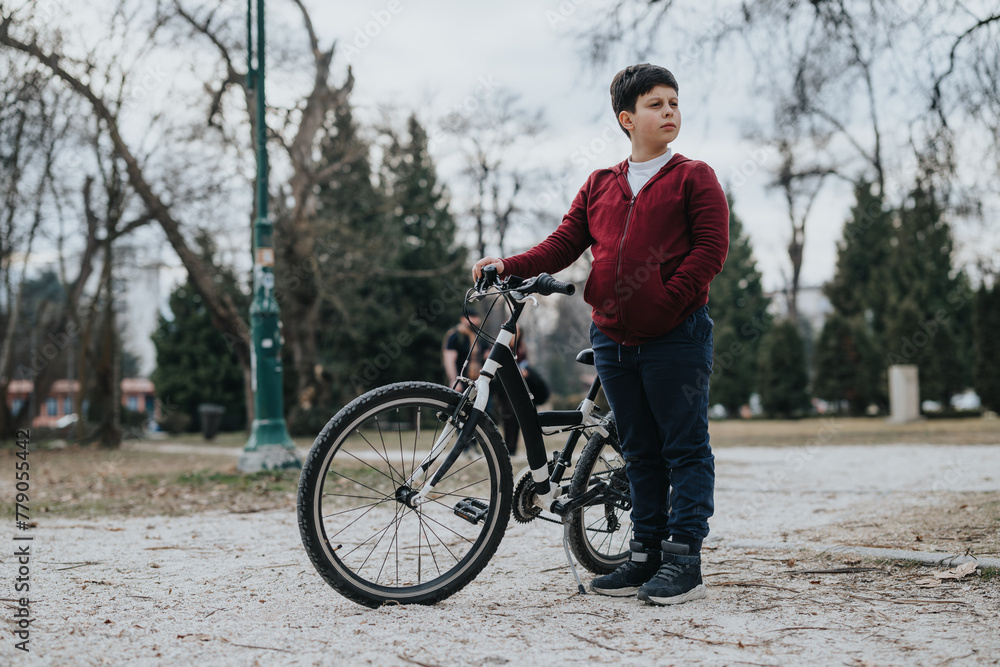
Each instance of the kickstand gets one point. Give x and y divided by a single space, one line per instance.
569 557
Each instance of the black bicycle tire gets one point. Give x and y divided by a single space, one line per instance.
579 541
314 470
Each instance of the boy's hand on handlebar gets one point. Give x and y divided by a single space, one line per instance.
477 270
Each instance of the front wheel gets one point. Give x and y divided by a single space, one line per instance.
359 524
599 533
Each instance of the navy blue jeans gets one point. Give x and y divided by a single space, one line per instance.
658 392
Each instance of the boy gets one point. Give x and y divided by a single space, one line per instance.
658 227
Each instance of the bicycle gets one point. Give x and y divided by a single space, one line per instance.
407 492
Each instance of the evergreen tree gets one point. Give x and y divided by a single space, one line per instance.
739 308
194 362
858 286
350 233
400 277
848 364
986 324
927 323
848 358
425 275
783 376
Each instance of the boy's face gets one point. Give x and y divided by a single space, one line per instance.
656 121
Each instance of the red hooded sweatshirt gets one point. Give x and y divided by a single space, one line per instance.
655 252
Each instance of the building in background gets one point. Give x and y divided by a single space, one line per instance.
138 395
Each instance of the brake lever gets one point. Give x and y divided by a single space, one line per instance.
521 298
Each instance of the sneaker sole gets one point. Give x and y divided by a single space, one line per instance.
616 592
697 593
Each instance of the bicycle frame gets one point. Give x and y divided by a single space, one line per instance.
502 364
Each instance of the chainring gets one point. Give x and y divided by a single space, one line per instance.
524 508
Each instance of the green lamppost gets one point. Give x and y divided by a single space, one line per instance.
269 447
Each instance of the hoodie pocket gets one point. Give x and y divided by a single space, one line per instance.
600 291
648 310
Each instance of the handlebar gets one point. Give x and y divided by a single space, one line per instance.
546 284
542 284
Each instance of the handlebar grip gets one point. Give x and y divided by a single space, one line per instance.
546 284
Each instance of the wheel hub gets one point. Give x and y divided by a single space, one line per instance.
405 495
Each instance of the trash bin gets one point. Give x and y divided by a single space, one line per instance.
211 417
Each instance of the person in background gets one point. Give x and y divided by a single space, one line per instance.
455 349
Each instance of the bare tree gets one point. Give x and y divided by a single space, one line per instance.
19 31
33 129
486 141
800 186
301 131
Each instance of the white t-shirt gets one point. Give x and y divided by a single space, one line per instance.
640 172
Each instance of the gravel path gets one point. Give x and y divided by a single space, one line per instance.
237 589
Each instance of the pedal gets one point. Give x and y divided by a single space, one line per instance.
472 510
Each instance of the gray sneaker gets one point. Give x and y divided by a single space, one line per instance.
630 575
678 579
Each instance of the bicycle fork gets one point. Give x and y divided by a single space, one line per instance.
481 392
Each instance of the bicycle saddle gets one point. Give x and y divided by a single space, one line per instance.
586 356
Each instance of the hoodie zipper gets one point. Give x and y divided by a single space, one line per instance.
621 244
621 260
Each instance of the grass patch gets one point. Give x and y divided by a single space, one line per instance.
990 574
84 482
264 481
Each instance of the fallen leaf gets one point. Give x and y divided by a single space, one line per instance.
962 570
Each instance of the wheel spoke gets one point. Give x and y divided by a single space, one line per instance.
354 481
381 546
353 522
384 458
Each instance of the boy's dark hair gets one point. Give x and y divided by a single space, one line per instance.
636 80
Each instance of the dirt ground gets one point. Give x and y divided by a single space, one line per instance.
170 557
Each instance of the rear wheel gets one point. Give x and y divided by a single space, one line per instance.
599 533
359 525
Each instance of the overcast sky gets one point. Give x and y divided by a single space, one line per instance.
436 56
432 56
